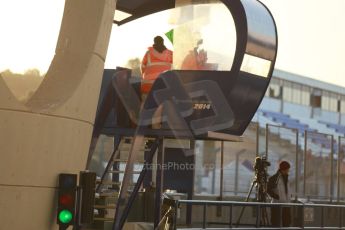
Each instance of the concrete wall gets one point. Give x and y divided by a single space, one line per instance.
270 104
327 116
342 119
296 110
51 133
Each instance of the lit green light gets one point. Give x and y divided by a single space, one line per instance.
65 216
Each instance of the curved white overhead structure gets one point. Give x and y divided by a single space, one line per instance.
51 132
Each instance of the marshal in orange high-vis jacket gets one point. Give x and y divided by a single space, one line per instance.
156 60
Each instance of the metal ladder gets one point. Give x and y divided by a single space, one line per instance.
108 186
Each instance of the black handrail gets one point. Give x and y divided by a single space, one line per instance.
258 206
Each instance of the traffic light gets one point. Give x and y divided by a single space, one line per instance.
66 200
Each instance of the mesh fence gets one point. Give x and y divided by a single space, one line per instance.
207 167
341 169
318 167
238 163
282 145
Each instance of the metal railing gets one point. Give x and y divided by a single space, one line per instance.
258 207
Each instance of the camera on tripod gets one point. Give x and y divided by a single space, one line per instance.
261 177
260 183
261 164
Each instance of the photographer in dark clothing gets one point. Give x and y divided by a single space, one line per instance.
278 189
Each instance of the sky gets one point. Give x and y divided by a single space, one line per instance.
29 33
311 36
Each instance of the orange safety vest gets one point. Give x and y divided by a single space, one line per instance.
152 65
195 60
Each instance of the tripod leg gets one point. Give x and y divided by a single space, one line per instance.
266 197
242 210
264 217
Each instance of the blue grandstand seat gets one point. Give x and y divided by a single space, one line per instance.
323 140
336 127
287 121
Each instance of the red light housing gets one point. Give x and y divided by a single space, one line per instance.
66 200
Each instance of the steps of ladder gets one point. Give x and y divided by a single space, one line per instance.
108 182
128 149
125 160
103 219
106 201
99 206
122 171
109 194
145 138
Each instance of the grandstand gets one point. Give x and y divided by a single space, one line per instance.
305 104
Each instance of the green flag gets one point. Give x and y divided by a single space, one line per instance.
170 35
